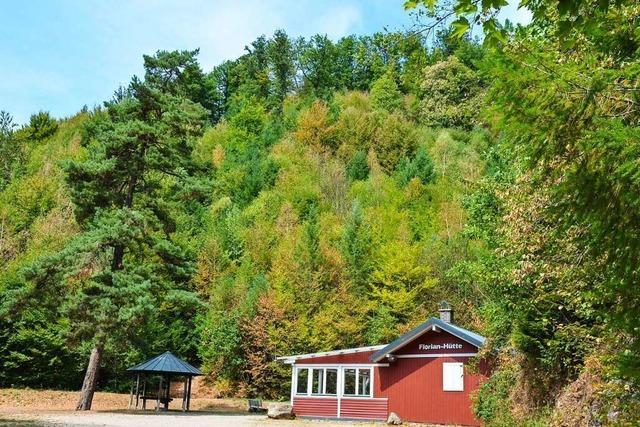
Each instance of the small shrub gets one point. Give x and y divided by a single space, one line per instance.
421 167
491 401
358 168
41 126
314 127
385 94
451 95
395 138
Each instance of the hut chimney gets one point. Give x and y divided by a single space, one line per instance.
446 312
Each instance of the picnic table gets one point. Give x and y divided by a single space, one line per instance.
154 397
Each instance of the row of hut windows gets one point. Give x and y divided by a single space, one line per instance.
326 381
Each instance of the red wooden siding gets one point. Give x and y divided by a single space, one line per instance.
368 409
361 357
315 406
414 389
410 386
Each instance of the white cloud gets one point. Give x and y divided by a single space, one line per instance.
223 33
340 21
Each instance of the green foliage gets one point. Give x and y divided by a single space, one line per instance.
248 115
469 52
177 73
313 215
124 265
450 94
395 137
35 221
420 166
356 249
401 278
281 62
276 67
492 401
237 152
10 150
382 326
32 342
385 94
221 346
41 126
577 148
358 168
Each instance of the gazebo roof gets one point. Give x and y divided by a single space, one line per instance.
166 363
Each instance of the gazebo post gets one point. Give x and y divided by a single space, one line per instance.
184 394
166 402
189 394
144 394
158 395
137 390
131 394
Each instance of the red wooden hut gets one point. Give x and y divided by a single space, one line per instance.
421 376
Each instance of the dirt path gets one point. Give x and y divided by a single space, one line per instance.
21 400
152 419
114 419
40 408
47 408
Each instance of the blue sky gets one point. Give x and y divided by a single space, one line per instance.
60 55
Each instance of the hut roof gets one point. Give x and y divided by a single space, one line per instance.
166 363
462 333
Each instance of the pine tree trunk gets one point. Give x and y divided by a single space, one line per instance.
90 380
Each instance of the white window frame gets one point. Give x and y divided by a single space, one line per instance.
295 382
321 378
340 381
323 374
450 383
357 385
310 372
324 385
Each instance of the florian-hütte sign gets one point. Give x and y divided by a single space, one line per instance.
444 346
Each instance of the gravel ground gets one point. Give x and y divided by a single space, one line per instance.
51 408
27 400
177 419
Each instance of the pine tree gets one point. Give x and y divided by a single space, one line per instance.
282 67
356 250
421 167
41 126
125 258
257 67
178 73
9 150
385 94
358 168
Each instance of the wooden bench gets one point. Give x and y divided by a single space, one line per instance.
255 405
151 397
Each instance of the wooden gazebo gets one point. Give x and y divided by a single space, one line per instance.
167 367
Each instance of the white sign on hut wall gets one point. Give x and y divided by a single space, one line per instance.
443 346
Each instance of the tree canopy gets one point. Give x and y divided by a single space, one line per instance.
315 194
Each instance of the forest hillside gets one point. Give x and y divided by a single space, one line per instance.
316 194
